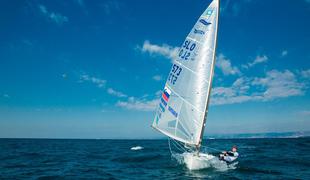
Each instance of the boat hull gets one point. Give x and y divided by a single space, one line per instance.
194 161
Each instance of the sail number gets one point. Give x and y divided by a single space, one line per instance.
186 50
174 74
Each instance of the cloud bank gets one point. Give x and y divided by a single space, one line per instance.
275 84
138 104
99 82
163 50
225 66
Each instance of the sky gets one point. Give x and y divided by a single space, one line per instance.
95 69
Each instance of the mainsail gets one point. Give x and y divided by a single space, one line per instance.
183 105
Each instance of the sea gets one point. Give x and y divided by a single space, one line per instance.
263 158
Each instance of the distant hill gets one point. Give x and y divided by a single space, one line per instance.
260 135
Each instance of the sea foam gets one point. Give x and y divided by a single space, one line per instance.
136 148
203 161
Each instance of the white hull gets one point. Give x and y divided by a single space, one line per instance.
195 162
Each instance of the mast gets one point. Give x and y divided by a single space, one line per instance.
210 83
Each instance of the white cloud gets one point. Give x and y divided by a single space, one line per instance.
53 16
158 93
58 18
99 82
163 50
234 7
157 77
27 42
258 59
6 96
284 53
236 93
116 93
226 67
305 73
81 4
43 9
141 104
138 104
274 85
304 113
279 84
110 6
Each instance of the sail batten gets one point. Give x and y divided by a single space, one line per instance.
182 110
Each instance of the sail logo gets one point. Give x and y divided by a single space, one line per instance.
166 94
163 102
204 22
162 108
175 114
197 31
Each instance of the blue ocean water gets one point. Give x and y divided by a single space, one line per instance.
113 159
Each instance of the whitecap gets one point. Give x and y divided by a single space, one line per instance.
136 148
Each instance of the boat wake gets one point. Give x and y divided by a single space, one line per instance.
136 148
203 161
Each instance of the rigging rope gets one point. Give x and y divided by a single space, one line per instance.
183 149
169 145
176 145
212 148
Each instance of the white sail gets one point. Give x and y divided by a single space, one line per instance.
183 104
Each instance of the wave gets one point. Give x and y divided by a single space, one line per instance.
204 161
137 159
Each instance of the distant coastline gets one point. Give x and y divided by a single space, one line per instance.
299 134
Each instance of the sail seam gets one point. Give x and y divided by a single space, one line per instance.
185 129
184 99
186 67
188 37
181 131
195 73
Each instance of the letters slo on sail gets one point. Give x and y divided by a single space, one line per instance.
183 107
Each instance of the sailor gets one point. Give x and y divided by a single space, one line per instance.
229 156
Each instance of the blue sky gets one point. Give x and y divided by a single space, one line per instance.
94 69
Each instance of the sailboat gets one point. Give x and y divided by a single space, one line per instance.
182 111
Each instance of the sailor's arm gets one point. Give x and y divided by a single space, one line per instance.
232 153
